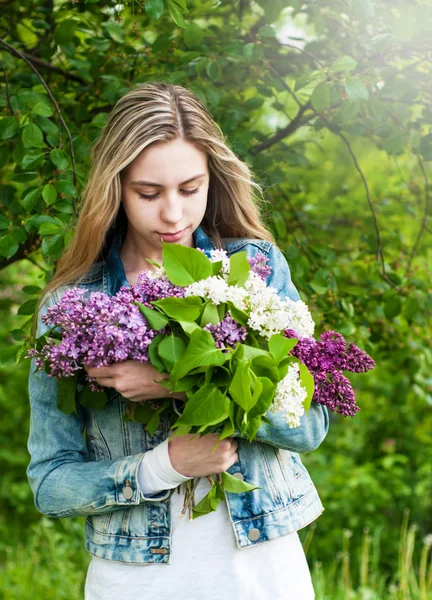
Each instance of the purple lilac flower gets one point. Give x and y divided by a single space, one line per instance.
258 264
326 358
227 333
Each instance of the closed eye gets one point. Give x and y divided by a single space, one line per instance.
153 196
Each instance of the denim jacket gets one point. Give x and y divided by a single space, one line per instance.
86 464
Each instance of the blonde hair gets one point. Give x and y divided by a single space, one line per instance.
150 113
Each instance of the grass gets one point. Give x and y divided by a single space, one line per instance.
50 562
411 581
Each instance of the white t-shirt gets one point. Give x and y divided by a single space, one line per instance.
205 561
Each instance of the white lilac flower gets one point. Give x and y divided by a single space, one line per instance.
218 291
160 273
289 397
269 314
300 318
380 84
217 255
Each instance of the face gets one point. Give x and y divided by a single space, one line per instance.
164 195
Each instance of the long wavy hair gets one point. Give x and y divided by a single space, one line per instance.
159 112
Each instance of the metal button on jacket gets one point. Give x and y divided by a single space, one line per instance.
239 476
127 492
254 534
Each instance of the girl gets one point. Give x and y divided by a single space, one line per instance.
161 170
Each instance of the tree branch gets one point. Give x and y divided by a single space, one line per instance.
423 226
7 87
46 65
297 122
16 52
30 245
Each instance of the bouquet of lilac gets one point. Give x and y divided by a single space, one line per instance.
227 341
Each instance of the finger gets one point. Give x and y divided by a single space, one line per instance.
100 371
234 445
105 381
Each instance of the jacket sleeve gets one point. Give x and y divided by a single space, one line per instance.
64 481
313 425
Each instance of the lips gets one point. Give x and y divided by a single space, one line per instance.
172 237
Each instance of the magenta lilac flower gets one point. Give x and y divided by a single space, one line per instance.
227 333
326 358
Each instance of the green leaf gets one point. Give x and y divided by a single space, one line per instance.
204 506
279 346
50 229
153 353
200 352
216 267
170 349
154 318
32 136
392 307
144 413
183 4
65 31
153 262
240 385
210 314
189 327
344 64
239 269
227 431
251 352
43 109
115 31
49 194
9 353
181 309
154 8
321 96
31 290
193 35
265 399
18 335
185 265
9 245
265 366
66 187
66 390
32 161
236 486
52 245
59 158
208 406
4 222
29 307
237 314
356 90
9 127
307 382
100 120
96 400
176 14
279 224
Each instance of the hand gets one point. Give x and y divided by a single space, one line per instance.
193 456
133 380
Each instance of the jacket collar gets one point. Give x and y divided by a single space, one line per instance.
114 275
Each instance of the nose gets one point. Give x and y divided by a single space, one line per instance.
172 209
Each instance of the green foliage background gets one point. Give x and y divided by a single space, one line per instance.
329 102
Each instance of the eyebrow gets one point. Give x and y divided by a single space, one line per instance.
142 182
